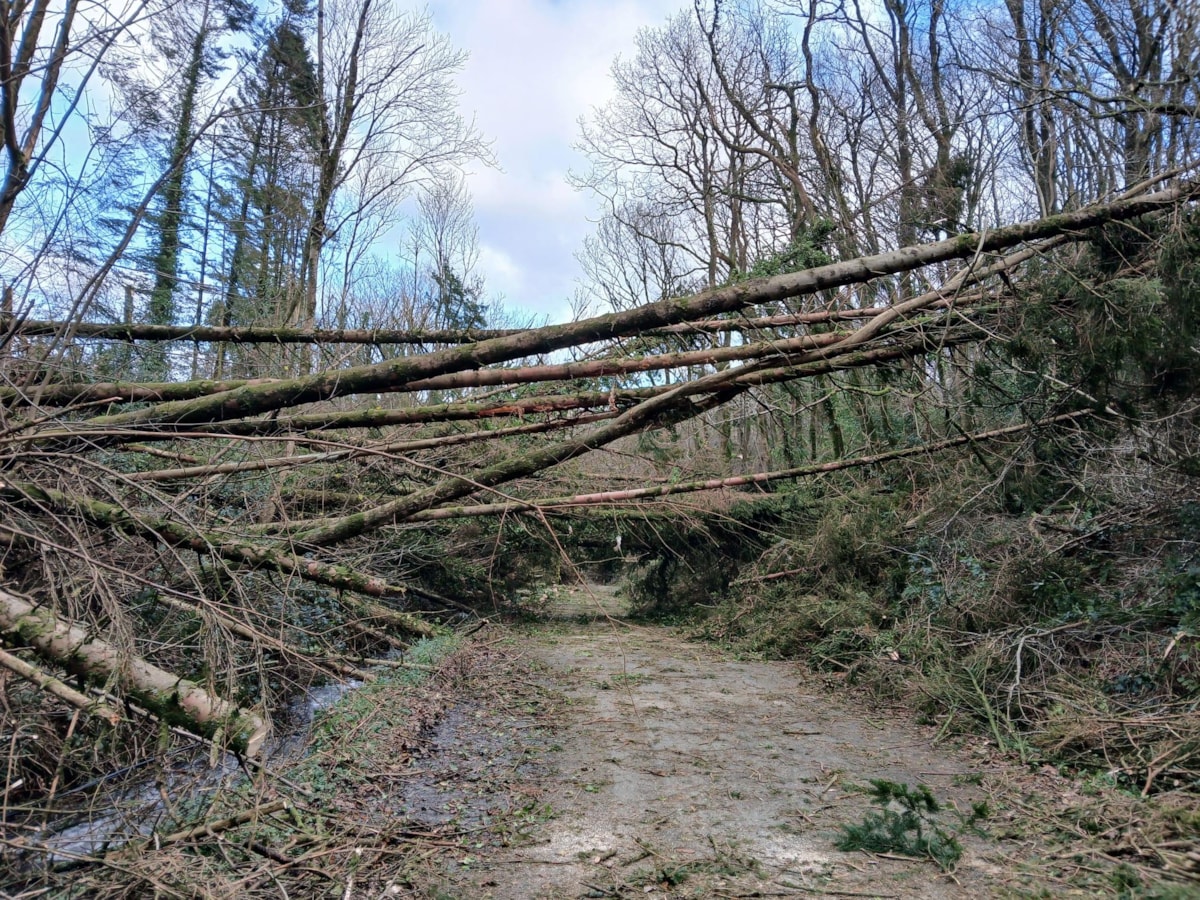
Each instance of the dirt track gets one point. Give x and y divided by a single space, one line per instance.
679 771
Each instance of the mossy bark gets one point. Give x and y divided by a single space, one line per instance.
394 374
167 695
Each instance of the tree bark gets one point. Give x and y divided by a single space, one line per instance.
671 406
254 334
714 484
57 688
172 698
393 374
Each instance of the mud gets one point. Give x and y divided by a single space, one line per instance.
680 771
470 768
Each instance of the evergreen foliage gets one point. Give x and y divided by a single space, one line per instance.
906 824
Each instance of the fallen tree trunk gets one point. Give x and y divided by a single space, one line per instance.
57 688
263 334
552 504
606 366
600 368
174 699
843 355
240 552
370 417
617 366
122 392
76 392
711 484
377 417
668 408
393 374
677 404
252 334
448 440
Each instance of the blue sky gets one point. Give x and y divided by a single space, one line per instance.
535 67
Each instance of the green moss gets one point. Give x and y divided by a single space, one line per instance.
369 714
966 244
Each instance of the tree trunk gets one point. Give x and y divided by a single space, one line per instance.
392 374
170 221
174 699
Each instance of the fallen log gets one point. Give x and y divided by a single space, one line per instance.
264 334
673 405
57 688
713 484
606 366
241 552
368 417
172 698
70 393
252 334
347 453
393 374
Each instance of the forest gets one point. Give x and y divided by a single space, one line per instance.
885 359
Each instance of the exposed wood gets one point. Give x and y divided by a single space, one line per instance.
168 696
57 688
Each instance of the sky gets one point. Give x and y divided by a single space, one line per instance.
536 67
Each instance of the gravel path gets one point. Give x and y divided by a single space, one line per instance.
677 770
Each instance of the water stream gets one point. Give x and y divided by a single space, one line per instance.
133 803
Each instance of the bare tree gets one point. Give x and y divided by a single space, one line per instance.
385 116
29 44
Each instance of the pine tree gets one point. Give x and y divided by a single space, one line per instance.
203 62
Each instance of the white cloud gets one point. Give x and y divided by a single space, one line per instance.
536 67
504 275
